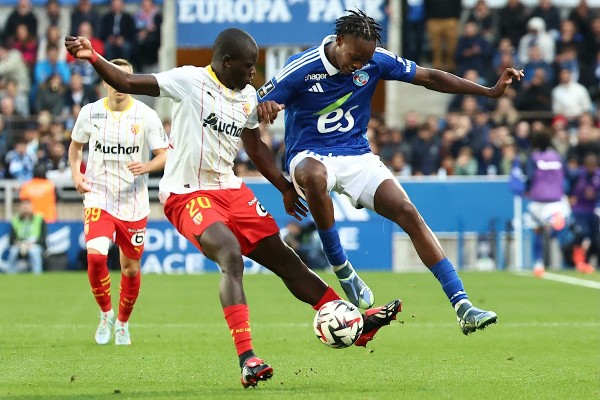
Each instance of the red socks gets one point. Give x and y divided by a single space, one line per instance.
328 296
130 289
99 280
237 317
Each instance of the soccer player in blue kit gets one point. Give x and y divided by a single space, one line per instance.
327 92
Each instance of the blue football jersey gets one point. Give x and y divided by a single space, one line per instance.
325 111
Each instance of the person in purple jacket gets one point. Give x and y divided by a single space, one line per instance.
549 208
584 196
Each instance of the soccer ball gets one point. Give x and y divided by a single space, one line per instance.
338 324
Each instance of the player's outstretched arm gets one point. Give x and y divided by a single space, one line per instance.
446 82
118 78
261 156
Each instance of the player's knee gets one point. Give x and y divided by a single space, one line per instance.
99 244
407 213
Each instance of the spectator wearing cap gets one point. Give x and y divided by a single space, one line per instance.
537 36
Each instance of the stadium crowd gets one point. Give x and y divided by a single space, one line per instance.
42 88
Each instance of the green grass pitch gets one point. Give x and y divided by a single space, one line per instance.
545 346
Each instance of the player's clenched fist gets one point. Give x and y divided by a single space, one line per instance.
268 110
79 47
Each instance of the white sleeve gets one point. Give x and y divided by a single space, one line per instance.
155 134
252 121
83 127
177 83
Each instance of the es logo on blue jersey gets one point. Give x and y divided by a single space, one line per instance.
360 78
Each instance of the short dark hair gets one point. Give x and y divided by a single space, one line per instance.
359 25
233 42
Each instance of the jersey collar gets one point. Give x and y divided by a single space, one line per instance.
213 76
331 70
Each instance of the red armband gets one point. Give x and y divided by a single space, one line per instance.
94 57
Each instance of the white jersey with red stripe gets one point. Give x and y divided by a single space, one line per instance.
207 121
116 139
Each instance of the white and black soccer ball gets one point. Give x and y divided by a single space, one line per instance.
338 324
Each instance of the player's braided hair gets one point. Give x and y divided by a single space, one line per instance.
360 25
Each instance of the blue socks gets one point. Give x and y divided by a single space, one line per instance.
538 247
332 246
451 284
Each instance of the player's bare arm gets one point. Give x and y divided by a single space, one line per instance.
157 163
268 111
82 184
123 81
262 157
445 82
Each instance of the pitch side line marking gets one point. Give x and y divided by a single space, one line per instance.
302 325
566 279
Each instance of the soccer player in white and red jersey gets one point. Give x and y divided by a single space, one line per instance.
121 132
213 109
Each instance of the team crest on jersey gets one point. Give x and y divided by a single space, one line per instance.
246 109
266 89
360 78
135 128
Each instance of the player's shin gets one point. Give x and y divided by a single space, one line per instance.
99 278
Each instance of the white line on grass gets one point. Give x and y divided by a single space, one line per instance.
142 325
566 279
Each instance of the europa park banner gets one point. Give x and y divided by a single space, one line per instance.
270 22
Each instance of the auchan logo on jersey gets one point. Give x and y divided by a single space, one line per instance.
118 149
219 126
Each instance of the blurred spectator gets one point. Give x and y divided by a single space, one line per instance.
87 31
19 163
536 61
53 13
592 43
550 14
26 44
481 15
570 98
12 67
398 165
569 39
51 96
78 94
148 21
584 196
535 96
83 11
425 151
54 37
585 144
57 162
117 30
465 162
505 113
509 154
513 21
561 139
488 161
413 29
582 16
396 144
536 36
590 78
22 14
522 136
42 194
411 125
51 66
27 238
88 74
473 51
20 101
505 57
5 134
442 18
567 59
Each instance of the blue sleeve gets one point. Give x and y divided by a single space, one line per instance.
394 67
281 87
